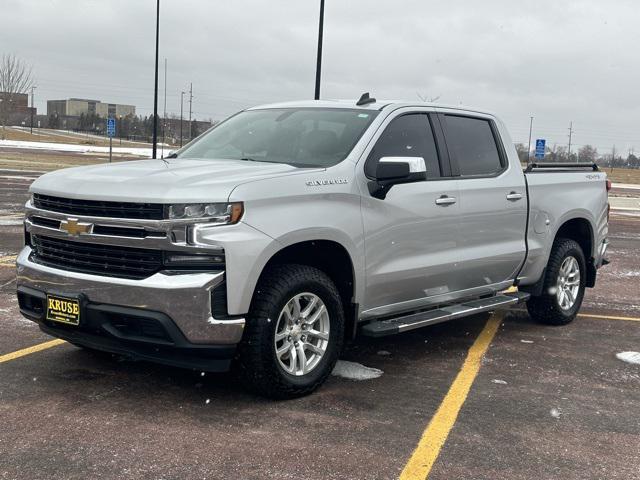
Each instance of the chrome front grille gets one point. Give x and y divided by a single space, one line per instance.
97 259
96 208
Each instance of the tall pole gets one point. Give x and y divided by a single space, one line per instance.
319 57
181 108
530 130
570 134
155 88
32 108
164 115
190 106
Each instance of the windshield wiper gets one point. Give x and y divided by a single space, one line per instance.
249 159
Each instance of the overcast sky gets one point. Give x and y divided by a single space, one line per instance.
557 61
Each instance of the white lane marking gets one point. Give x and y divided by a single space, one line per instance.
355 371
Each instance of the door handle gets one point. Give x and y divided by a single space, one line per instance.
514 196
445 200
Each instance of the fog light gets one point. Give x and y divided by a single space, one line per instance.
201 260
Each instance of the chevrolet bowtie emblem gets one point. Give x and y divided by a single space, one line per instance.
73 227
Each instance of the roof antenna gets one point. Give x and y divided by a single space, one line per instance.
365 99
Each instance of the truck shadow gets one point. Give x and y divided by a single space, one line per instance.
424 358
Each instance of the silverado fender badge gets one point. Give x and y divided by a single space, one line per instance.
331 181
73 227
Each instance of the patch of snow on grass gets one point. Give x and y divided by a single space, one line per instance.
629 357
355 371
68 147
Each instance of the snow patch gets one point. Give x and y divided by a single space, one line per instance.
68 147
10 223
499 382
629 357
355 371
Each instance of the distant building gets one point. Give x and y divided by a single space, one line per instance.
74 107
15 109
16 103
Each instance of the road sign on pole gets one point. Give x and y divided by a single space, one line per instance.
111 127
111 132
540 146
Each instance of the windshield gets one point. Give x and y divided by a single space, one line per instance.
302 137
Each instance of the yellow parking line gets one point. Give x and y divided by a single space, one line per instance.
436 433
28 351
590 315
8 260
608 317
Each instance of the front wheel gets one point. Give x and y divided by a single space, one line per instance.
294 332
564 285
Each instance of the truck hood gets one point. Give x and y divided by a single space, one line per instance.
158 181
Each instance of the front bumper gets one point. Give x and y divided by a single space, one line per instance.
185 299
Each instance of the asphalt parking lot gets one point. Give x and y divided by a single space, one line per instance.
545 402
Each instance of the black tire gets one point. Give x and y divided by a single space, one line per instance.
546 307
257 366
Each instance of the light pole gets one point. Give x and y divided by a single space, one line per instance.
32 107
529 150
164 115
190 107
181 109
319 57
155 88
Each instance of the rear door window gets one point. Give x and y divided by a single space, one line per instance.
406 136
472 143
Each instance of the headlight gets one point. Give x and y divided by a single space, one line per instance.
221 213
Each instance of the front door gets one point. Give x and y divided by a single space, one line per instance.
410 236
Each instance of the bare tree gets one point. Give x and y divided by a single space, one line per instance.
588 154
16 77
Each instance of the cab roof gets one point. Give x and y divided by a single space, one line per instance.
377 105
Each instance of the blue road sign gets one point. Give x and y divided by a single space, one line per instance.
540 144
111 127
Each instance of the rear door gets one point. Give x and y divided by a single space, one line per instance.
492 200
411 235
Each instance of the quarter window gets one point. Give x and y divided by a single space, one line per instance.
406 136
473 145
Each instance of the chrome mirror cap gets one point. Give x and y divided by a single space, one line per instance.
416 164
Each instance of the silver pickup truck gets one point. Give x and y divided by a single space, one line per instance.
288 229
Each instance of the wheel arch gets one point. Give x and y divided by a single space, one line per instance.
580 230
331 257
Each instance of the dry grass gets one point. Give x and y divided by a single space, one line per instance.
45 162
623 175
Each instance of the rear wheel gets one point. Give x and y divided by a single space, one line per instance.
564 285
294 332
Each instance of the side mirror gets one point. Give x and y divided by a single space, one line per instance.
396 170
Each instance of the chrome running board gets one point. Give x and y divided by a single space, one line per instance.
381 328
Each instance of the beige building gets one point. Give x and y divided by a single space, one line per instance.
74 107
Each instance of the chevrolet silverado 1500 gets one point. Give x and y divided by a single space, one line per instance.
287 229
